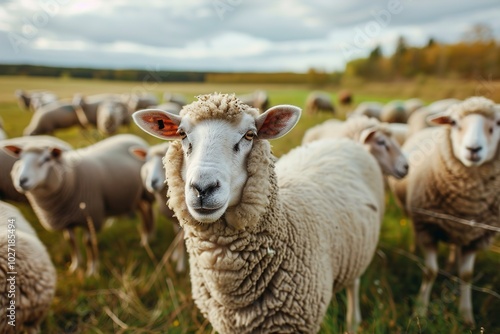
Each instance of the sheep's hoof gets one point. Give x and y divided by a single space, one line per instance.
468 318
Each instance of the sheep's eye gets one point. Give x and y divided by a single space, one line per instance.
381 142
249 135
498 122
182 133
453 122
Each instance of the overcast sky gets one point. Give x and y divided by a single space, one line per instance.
226 35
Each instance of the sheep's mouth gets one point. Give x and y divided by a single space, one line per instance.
206 211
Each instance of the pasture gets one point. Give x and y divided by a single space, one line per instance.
138 290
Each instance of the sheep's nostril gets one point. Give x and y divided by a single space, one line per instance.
23 181
474 149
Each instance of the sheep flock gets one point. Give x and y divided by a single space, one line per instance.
266 242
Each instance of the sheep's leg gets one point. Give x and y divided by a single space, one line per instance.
430 274
353 309
148 223
92 254
76 258
179 254
452 258
465 272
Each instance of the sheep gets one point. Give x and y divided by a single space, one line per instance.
268 245
153 178
80 188
412 105
377 138
370 109
137 102
345 97
453 173
258 99
3 135
418 120
110 115
178 99
167 106
51 117
442 105
33 100
7 160
86 107
319 101
32 287
394 112
400 132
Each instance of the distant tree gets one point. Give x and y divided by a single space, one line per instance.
376 53
480 32
430 43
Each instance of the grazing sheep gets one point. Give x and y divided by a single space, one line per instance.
33 100
81 188
178 99
33 286
345 97
454 173
7 161
268 246
153 178
86 106
51 117
394 112
3 135
319 101
167 106
369 109
258 99
110 115
377 138
137 102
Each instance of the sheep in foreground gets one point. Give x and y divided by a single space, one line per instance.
319 101
369 109
7 161
80 188
35 278
153 178
377 138
110 115
176 98
454 175
33 100
394 112
3 135
258 99
51 117
263 258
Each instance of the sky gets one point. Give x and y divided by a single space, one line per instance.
227 35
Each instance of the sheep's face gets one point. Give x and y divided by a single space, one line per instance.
215 152
386 151
153 173
34 167
474 137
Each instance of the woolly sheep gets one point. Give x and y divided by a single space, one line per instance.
86 106
153 178
35 278
167 106
178 99
3 135
370 109
137 102
7 160
418 120
33 100
400 132
110 115
412 105
262 258
377 138
454 173
80 188
394 112
51 117
319 101
258 99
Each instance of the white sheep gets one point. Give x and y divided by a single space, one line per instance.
412 105
454 174
268 246
377 138
33 100
3 135
394 112
370 109
153 178
33 285
80 188
258 99
137 102
86 106
110 115
179 99
7 160
319 101
53 116
167 106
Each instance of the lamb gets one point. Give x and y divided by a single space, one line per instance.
394 112
178 99
80 188
7 160
33 100
454 173
319 101
370 109
110 115
377 138
3 135
153 178
258 99
35 278
51 117
262 258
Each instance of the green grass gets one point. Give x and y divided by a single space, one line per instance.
141 293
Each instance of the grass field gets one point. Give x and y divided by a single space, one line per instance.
141 293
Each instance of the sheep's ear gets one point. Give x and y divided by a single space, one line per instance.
277 121
158 123
139 152
366 135
439 119
13 150
56 152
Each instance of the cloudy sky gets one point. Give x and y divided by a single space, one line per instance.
226 35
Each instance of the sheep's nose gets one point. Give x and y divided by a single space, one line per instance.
474 149
154 183
406 167
23 181
205 190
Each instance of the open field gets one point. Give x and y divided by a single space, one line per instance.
141 293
